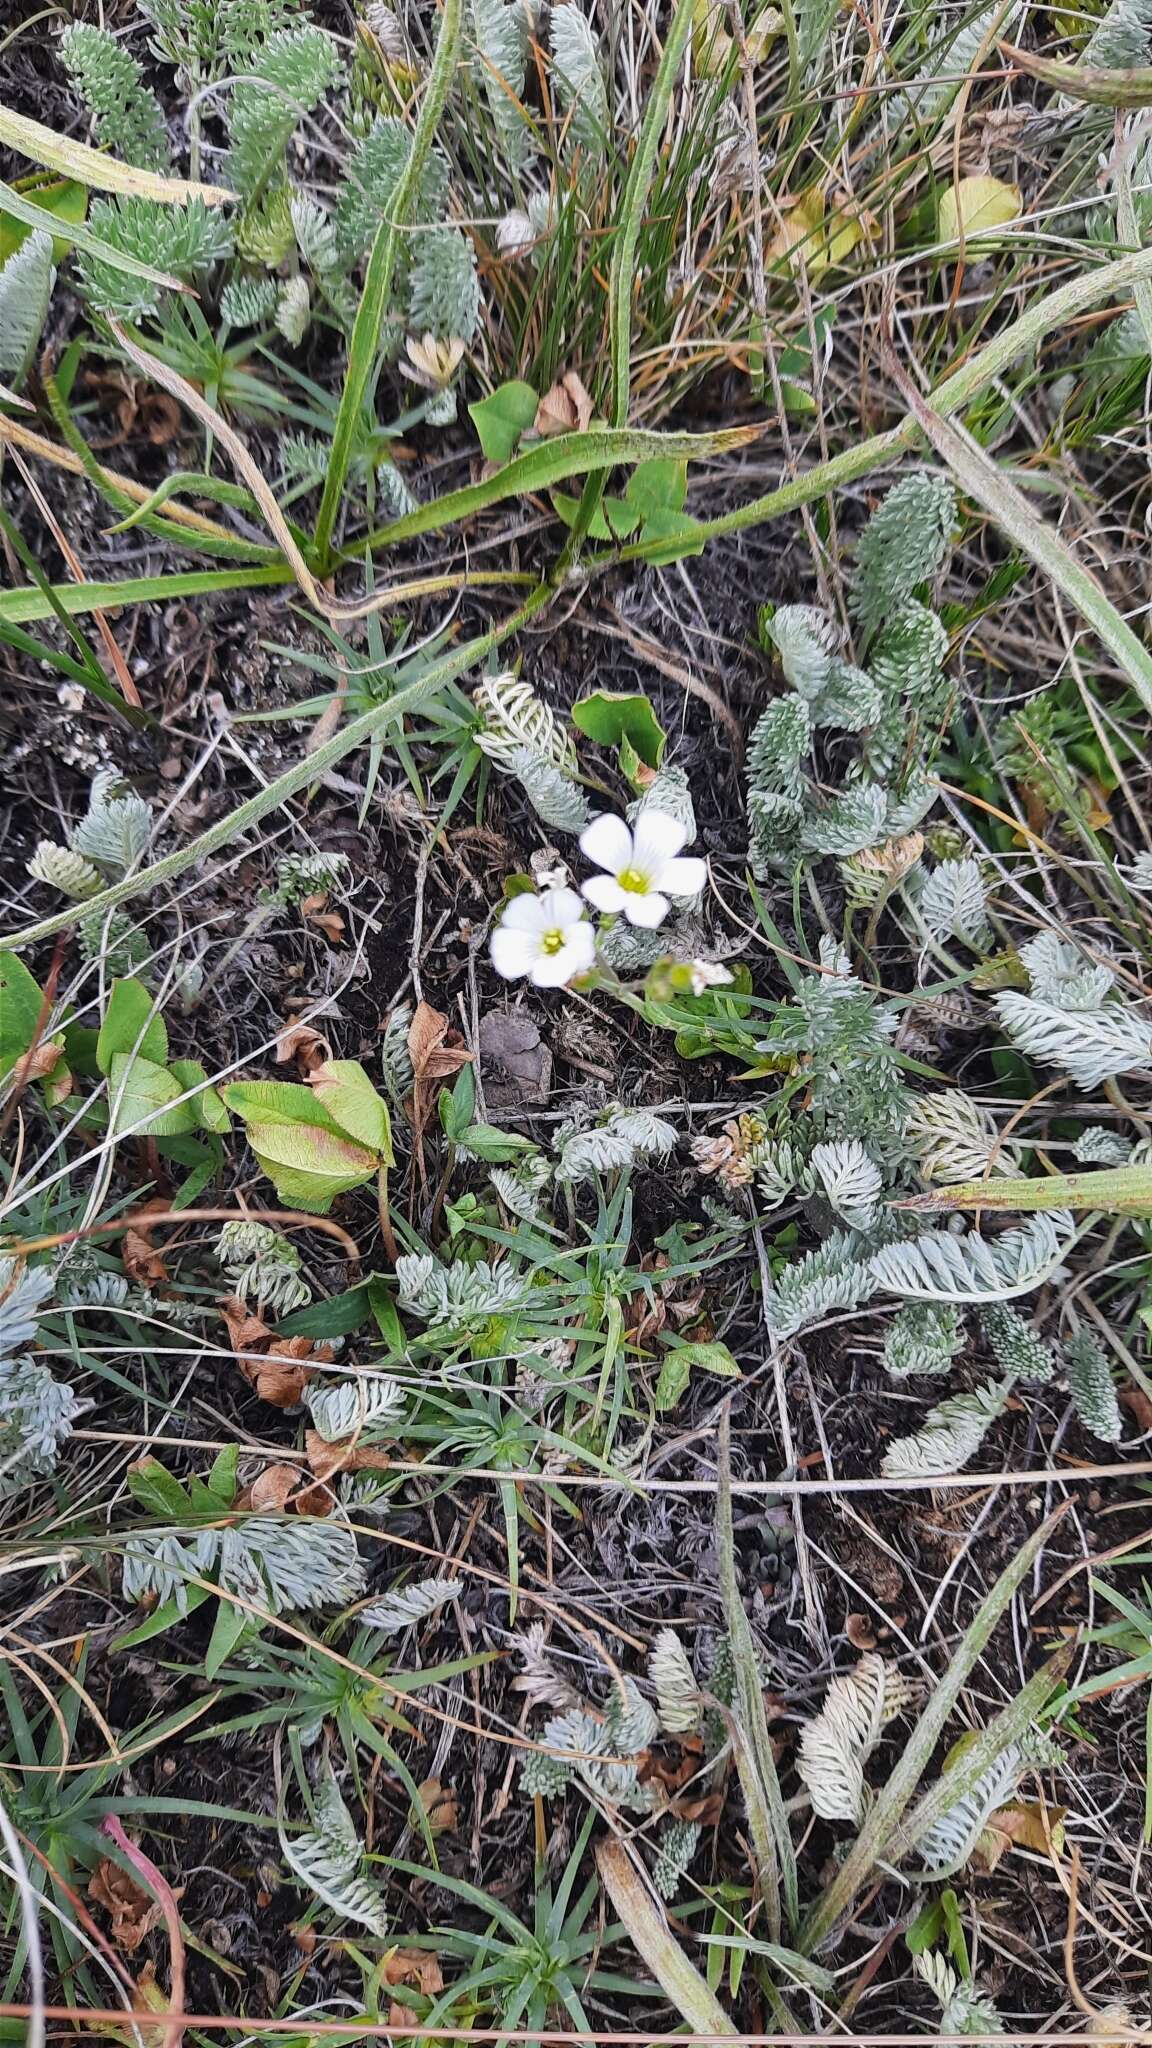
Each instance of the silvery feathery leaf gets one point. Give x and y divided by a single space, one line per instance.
1062 975
952 903
964 2008
555 798
956 1139
939 1266
678 1699
817 1285
408 1604
114 831
62 869
836 1744
365 1406
946 1846
1098 1146
328 1861
903 545
23 1293
952 1434
850 1179
922 1339
1088 1370
668 793
515 716
1017 1347
677 1846
1090 1047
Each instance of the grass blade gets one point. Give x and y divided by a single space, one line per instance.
23 606
755 1759
892 1801
93 167
1115 1191
1094 88
648 1932
33 216
364 348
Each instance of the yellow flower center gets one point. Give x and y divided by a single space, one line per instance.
553 941
634 881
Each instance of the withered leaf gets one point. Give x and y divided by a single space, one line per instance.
565 408
304 1046
132 1910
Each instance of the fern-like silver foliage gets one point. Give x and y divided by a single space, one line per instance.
628 1138
668 793
110 81
956 1139
848 823
1088 1370
922 1340
459 1293
679 1703
945 1847
1088 1046
60 868
953 905
279 1562
950 1437
1098 1146
903 545
249 302
819 1284
444 291
939 1266
364 1406
1060 974
677 1846
500 32
328 1861
26 282
1018 1349
37 1412
521 1187
836 1744
114 830
964 2008
850 1179
293 310
407 1605
579 77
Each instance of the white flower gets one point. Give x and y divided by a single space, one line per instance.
546 937
643 870
707 974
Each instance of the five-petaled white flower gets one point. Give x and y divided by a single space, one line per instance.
643 870
546 937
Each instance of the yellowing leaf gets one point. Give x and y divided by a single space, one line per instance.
975 206
822 237
92 167
64 199
139 1091
310 1167
345 1092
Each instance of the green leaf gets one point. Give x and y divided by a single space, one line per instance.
151 1483
165 1617
132 1024
206 1105
613 518
681 1362
387 1316
21 1006
501 419
495 1147
303 1151
336 1318
612 716
343 1089
140 1091
658 488
457 1105
227 1630
222 1480
66 201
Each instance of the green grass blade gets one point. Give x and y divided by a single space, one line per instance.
364 349
33 216
23 606
550 462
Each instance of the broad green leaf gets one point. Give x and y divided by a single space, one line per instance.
613 518
140 1092
308 1165
494 1146
207 1105
976 206
65 201
227 1630
343 1089
156 1489
456 1106
657 488
612 716
277 1102
335 1318
501 419
132 1024
21 1005
222 1477
680 1364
